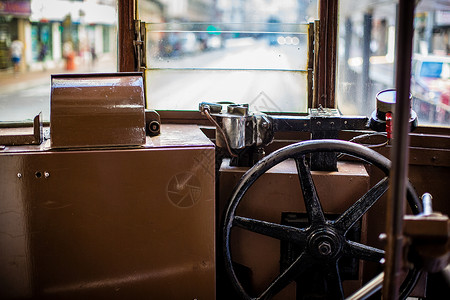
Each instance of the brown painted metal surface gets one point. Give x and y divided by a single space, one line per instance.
24 136
279 191
97 110
110 223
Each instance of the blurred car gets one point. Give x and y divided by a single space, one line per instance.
176 44
430 87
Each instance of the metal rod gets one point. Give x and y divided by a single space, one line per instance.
399 152
427 202
369 289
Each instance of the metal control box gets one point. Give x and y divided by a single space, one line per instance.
110 223
90 110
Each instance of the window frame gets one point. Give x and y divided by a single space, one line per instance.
325 65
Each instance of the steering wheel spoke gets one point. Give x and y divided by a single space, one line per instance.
363 252
360 207
312 202
277 231
334 282
300 265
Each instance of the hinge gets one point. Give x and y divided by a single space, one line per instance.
139 43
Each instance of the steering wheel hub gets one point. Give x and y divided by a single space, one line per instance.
324 243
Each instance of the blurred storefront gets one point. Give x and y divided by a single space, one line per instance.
13 20
44 26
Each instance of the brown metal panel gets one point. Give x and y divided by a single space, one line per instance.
24 138
97 110
125 224
279 191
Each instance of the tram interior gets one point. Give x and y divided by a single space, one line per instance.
115 199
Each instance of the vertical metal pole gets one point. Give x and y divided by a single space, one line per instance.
348 39
367 38
399 152
431 20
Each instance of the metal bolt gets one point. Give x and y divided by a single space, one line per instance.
19 175
46 174
318 123
324 248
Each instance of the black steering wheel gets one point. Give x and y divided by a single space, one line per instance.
323 241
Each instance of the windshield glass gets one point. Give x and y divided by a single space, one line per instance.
253 52
366 57
223 50
39 38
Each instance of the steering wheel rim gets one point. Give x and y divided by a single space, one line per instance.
329 231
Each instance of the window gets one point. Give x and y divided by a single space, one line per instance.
366 59
251 52
51 32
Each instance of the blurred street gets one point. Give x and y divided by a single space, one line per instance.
250 71
25 94
245 71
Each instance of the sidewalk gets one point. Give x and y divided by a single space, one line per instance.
11 82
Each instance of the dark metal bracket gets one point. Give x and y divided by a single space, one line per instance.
244 133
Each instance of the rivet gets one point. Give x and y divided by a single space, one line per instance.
19 175
46 174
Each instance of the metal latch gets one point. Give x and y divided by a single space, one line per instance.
139 44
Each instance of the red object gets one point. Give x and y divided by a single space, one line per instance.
389 125
70 62
445 98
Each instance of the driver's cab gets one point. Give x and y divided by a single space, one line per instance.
242 150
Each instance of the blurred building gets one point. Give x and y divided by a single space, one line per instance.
189 10
45 25
14 18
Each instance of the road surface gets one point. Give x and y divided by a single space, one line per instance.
261 76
